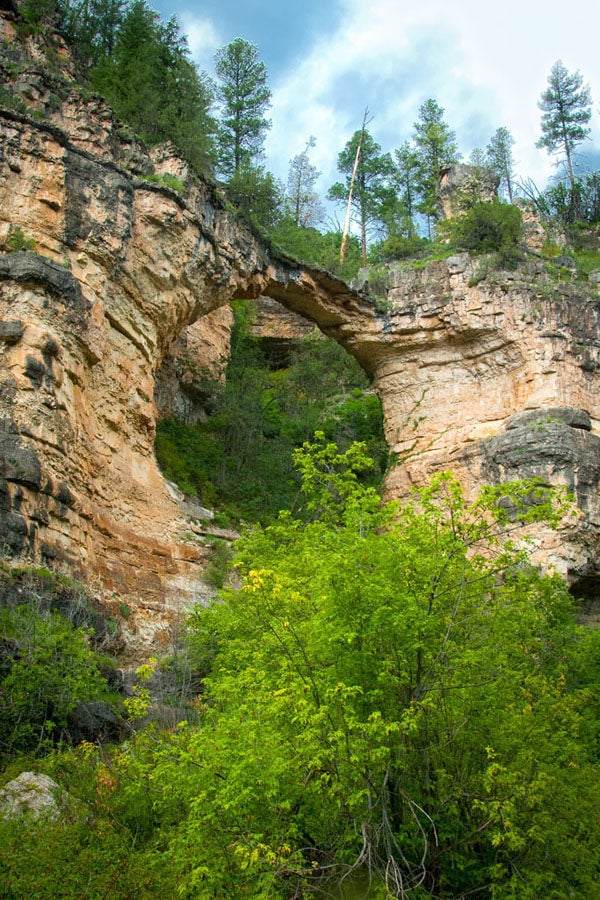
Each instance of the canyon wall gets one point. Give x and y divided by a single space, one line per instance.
101 270
495 375
110 278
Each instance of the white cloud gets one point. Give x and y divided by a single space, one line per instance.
203 38
485 65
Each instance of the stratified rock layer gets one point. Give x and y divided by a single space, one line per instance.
495 376
112 269
492 375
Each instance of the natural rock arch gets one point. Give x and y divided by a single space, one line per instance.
122 264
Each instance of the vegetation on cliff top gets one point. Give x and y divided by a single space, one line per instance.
142 65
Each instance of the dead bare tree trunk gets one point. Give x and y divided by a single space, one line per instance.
344 244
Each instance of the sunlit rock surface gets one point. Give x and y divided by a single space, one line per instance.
119 297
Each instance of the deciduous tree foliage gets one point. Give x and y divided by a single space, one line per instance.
395 692
45 669
395 700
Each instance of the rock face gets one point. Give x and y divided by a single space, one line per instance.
101 271
492 375
195 360
461 185
31 794
496 378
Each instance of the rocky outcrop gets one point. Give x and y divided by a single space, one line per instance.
492 374
32 794
495 375
461 185
101 270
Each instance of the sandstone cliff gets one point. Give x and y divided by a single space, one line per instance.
496 377
112 267
491 376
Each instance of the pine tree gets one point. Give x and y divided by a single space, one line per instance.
244 98
405 180
303 201
372 194
499 158
566 111
151 83
436 148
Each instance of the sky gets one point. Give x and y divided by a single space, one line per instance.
485 63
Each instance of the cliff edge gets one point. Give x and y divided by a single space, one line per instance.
103 266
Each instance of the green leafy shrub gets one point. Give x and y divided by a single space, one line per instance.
313 247
19 241
399 246
46 667
488 227
170 181
369 693
219 565
397 703
96 857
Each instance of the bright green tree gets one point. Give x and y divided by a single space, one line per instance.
566 110
396 704
244 97
45 669
396 698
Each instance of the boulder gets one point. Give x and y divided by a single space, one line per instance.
31 793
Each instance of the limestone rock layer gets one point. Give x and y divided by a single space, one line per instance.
101 272
108 278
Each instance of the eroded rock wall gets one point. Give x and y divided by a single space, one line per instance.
101 271
493 375
496 377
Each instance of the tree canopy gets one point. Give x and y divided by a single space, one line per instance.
435 147
244 97
498 157
142 66
566 111
303 202
371 191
